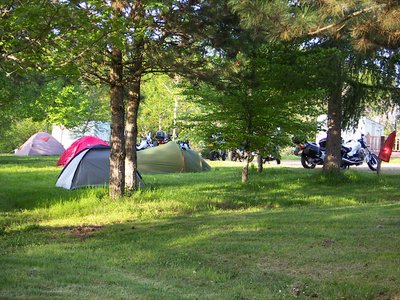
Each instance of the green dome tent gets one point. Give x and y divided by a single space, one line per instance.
170 158
194 162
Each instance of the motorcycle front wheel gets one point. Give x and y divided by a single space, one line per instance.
223 156
373 162
306 163
235 157
213 155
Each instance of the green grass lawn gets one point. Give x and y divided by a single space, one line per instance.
289 233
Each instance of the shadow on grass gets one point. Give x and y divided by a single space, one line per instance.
236 255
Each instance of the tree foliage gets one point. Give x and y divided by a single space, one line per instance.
72 105
362 37
163 107
370 24
261 101
17 94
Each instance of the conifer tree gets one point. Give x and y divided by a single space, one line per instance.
360 38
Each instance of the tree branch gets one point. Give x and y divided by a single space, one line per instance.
345 19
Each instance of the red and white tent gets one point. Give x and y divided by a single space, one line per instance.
40 143
77 146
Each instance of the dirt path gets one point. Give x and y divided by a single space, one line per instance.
385 168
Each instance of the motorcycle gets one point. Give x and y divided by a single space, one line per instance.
217 154
355 152
160 138
216 144
312 154
273 154
145 143
269 158
184 145
241 155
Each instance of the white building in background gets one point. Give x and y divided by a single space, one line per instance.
66 137
373 131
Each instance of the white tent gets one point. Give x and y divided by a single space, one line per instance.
91 167
40 143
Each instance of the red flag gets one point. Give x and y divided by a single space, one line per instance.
386 149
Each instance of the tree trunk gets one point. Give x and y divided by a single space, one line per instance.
131 135
245 170
117 157
259 163
134 99
334 136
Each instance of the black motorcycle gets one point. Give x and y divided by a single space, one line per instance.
353 153
241 155
312 154
216 146
217 154
269 158
271 155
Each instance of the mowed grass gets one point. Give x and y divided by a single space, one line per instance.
289 233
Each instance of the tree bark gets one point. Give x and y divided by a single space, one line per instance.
259 162
245 170
131 135
335 112
117 156
134 100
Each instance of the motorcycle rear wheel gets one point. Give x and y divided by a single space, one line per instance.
306 163
373 162
213 155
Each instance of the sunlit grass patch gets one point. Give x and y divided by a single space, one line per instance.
289 233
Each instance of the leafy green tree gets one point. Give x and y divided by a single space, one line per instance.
17 92
117 43
73 105
163 105
157 108
260 101
185 31
24 28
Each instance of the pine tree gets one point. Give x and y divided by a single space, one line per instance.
358 34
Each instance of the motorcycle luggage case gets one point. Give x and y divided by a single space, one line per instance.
312 150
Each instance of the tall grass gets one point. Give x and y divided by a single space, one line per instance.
287 233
